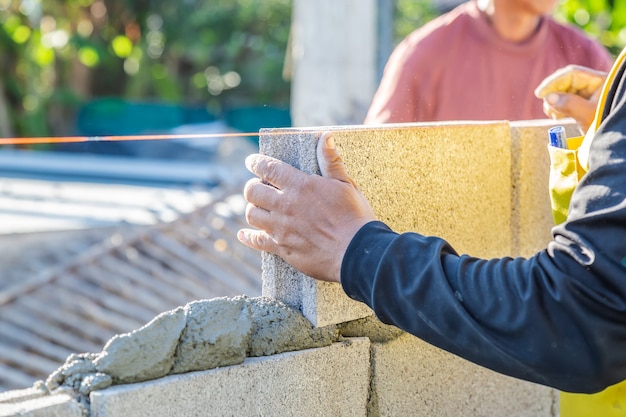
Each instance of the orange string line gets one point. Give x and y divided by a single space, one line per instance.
77 139
113 138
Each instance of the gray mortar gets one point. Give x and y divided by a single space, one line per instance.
279 328
203 335
143 354
217 334
374 329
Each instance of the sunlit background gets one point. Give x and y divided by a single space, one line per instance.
207 58
112 233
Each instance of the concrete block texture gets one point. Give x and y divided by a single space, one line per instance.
452 180
25 394
412 378
532 215
51 406
320 302
330 381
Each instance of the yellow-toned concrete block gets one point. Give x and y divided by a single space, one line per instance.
412 378
452 180
449 180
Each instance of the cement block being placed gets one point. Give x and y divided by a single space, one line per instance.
414 379
330 381
320 302
532 215
451 180
48 406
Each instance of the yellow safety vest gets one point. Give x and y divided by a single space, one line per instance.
567 166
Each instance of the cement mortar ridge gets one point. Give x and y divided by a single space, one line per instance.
202 335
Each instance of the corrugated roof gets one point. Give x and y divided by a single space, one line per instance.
88 286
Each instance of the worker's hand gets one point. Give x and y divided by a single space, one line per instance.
572 91
308 220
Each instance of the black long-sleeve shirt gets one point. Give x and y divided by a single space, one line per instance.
557 318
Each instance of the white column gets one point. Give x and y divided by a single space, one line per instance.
334 59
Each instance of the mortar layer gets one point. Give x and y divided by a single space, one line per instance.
217 334
202 335
278 328
146 353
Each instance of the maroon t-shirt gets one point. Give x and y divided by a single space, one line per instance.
457 67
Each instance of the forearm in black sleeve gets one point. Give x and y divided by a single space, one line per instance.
520 317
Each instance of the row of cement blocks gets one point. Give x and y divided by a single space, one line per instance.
355 378
482 186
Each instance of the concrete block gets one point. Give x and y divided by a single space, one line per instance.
414 379
320 302
49 406
20 395
330 381
532 215
451 180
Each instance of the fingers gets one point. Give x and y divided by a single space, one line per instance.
257 239
272 171
558 81
586 83
574 79
258 217
571 91
559 105
261 195
549 111
330 162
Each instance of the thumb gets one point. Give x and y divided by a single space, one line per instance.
331 164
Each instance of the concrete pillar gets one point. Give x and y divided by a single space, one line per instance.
334 58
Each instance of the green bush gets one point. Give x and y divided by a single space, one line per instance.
58 54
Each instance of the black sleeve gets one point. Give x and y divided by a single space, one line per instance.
557 318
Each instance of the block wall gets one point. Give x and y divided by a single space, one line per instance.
482 186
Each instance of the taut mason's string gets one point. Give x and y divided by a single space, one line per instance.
114 138
79 139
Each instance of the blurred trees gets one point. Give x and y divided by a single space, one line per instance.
410 15
57 54
603 19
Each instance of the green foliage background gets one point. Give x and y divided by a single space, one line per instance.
57 54
603 19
